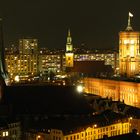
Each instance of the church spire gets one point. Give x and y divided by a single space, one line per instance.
68 32
69 51
69 47
129 28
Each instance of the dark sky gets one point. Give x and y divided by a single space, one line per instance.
95 23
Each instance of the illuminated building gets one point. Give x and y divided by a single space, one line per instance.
110 58
69 51
28 46
129 51
93 132
23 63
89 130
127 91
10 130
50 63
22 60
117 90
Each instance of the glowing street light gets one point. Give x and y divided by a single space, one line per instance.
80 88
95 125
38 137
17 78
131 118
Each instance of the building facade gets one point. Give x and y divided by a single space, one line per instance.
91 132
23 62
128 92
11 131
129 55
110 58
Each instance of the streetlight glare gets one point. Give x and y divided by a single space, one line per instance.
17 78
80 88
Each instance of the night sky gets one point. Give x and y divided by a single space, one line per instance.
95 23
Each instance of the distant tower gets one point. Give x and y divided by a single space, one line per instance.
129 56
69 51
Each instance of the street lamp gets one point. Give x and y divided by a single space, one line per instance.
79 88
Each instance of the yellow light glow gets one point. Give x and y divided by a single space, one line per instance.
95 125
17 78
132 41
126 41
131 118
3 134
80 88
132 51
38 136
6 133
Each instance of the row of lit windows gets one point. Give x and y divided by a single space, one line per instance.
114 130
5 133
127 41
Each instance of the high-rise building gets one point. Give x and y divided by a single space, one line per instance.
23 63
28 46
69 51
129 55
50 63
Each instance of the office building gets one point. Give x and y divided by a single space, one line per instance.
24 62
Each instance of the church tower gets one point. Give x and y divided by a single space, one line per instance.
129 55
69 51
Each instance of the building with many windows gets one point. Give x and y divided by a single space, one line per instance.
123 88
110 57
80 129
23 64
129 55
10 130
27 60
126 91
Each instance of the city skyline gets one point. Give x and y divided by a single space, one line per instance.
95 24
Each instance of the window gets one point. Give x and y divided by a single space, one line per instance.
3 134
132 51
77 136
132 41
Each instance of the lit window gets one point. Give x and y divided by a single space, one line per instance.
132 41
3 134
6 133
126 41
132 51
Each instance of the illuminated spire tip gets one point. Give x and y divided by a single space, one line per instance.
129 28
